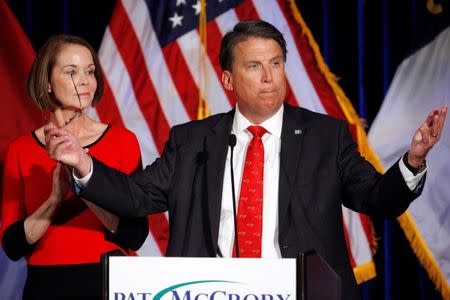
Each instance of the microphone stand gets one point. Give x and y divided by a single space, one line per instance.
232 143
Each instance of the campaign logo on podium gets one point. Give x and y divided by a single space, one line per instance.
162 278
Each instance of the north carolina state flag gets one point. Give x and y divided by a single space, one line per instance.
422 83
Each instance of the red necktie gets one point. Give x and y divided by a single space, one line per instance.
250 207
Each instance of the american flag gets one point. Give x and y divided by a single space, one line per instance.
158 62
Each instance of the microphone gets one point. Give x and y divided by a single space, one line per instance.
232 143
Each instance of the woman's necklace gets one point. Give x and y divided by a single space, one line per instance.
75 116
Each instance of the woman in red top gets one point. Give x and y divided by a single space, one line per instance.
61 235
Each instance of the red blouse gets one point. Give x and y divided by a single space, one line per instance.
76 235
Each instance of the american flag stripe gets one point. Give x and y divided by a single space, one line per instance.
155 81
360 247
214 38
246 10
159 229
182 78
144 89
296 68
217 99
290 97
156 124
156 242
347 241
320 88
107 109
226 21
369 230
122 91
153 57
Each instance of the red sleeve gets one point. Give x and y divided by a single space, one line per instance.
12 232
131 155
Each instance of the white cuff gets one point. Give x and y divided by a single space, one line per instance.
411 180
83 182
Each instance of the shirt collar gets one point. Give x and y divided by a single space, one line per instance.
272 125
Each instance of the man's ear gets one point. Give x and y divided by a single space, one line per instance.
227 80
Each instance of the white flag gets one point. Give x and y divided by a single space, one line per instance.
421 83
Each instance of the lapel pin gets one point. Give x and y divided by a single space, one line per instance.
298 131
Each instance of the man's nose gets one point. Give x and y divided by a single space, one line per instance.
267 74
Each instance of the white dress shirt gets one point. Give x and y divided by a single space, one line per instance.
272 146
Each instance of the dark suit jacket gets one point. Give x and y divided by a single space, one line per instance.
320 170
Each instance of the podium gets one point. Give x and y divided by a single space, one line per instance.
177 278
316 279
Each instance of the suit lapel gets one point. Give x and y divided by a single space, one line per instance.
216 145
292 136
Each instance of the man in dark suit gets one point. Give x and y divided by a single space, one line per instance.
294 169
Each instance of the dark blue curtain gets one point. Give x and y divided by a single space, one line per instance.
362 42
